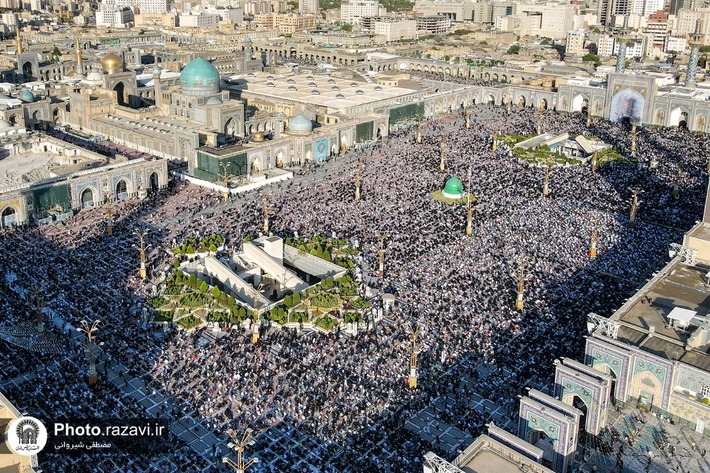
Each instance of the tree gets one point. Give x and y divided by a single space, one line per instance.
213 248
296 298
347 27
592 58
593 48
513 49
326 256
55 56
288 301
216 292
203 287
192 281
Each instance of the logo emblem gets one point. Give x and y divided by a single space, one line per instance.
26 436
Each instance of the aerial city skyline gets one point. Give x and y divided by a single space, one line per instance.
354 236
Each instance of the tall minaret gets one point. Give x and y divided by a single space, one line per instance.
157 84
79 60
623 39
696 40
18 42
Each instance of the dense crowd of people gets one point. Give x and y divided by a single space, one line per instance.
460 290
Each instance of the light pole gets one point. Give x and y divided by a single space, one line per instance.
89 330
238 445
414 331
256 320
595 237
381 252
546 180
357 181
635 202
469 208
265 209
522 277
442 152
225 176
109 219
141 250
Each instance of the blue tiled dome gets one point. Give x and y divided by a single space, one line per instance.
199 78
27 96
300 124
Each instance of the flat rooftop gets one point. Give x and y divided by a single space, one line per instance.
319 90
28 167
677 285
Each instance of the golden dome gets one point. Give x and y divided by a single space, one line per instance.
112 61
258 136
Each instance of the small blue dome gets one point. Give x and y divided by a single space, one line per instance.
214 101
300 124
199 78
27 96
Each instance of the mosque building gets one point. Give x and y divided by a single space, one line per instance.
187 111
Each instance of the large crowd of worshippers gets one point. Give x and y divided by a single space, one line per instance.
352 392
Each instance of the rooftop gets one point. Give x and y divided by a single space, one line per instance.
644 319
318 90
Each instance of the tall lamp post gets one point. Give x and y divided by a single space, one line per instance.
256 321
238 445
521 278
90 345
265 209
595 237
414 331
141 250
469 208
381 252
225 176
442 152
358 179
635 202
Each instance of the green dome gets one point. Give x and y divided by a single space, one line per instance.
453 189
199 78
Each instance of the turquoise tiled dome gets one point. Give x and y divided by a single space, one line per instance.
300 124
27 96
199 78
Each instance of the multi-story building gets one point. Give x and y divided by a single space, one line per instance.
575 43
433 24
115 18
456 10
607 9
230 15
393 30
552 20
286 23
255 7
352 10
308 6
199 20
142 6
646 7
658 27
687 20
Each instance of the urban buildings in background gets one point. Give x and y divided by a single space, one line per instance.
261 86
